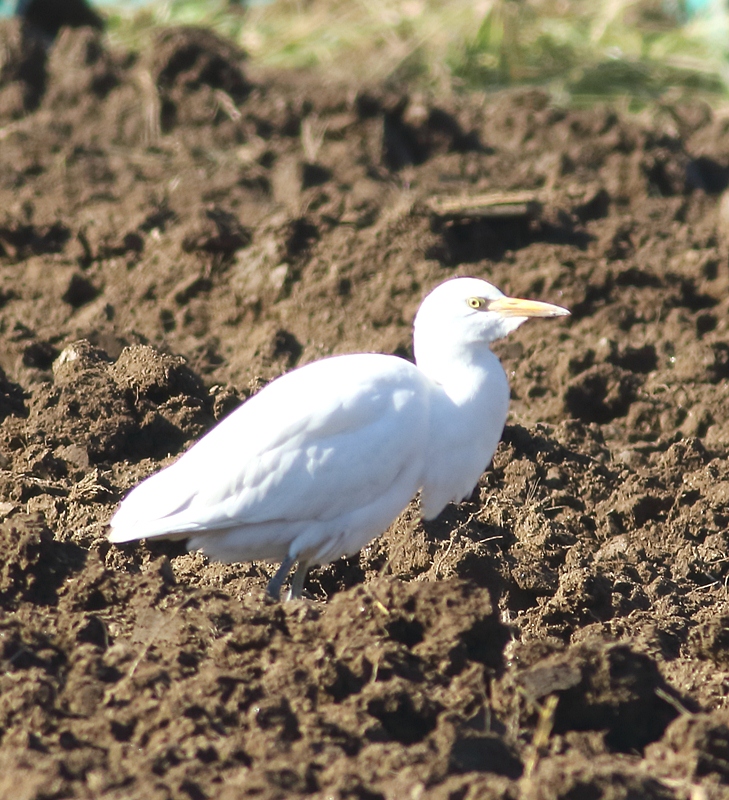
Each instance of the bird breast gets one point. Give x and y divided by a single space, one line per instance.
467 418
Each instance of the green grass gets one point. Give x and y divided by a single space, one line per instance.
579 50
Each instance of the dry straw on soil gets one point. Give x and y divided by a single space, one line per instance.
638 49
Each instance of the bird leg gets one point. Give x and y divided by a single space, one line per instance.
275 584
297 585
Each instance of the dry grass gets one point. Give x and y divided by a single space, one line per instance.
580 51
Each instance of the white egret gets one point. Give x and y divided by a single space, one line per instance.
324 458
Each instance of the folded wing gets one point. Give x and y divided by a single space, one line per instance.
317 443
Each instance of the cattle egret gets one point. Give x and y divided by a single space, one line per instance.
324 458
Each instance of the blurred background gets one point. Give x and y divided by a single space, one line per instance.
580 51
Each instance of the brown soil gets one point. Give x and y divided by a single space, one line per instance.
174 232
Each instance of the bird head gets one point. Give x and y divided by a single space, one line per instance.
468 311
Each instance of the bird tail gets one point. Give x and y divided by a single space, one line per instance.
153 509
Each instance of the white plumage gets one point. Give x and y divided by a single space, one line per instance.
324 458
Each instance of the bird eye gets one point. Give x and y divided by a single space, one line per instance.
476 302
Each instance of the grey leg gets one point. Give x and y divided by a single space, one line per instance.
275 584
297 585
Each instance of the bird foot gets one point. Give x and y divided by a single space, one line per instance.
274 585
297 584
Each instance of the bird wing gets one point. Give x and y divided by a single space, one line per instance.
321 441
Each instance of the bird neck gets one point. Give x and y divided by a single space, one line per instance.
465 370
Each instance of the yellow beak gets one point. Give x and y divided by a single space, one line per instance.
515 307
